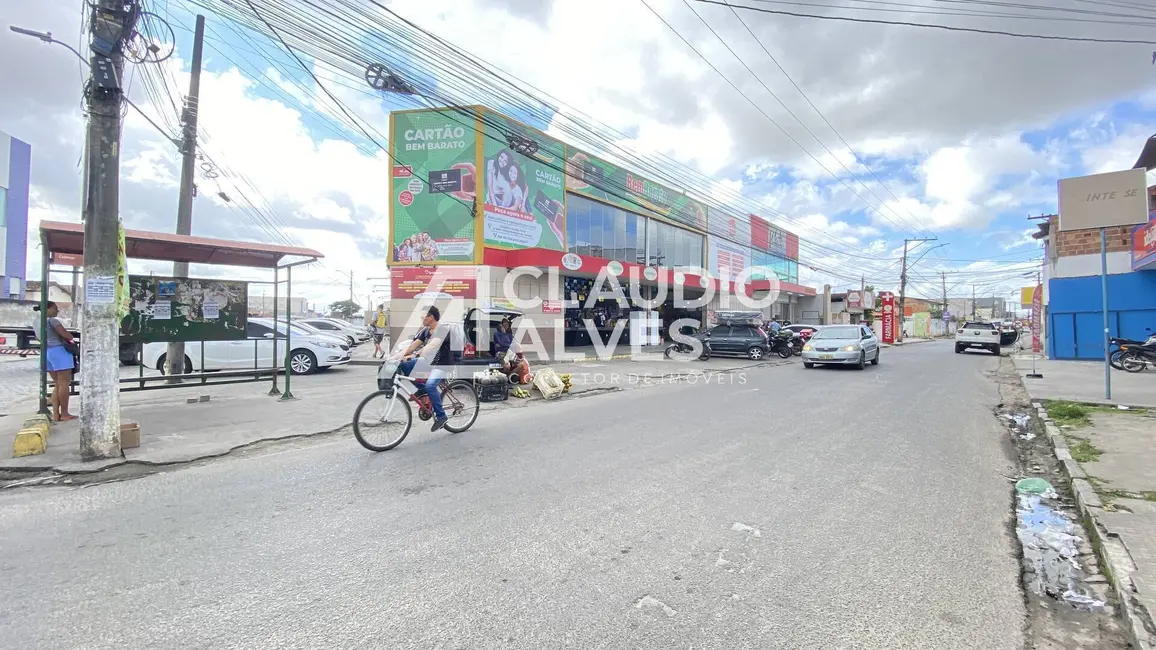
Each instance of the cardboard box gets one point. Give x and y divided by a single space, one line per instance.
129 435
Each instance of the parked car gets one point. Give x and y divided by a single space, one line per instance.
335 327
977 335
852 345
342 337
260 349
803 330
736 340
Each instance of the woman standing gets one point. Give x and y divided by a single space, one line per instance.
59 362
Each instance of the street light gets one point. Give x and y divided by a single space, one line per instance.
47 38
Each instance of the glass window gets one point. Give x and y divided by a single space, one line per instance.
596 229
631 252
619 252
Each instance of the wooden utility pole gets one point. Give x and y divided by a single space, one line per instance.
943 279
175 354
903 284
100 331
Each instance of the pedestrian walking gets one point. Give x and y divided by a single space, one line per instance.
379 325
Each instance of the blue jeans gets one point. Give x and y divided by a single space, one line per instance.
431 383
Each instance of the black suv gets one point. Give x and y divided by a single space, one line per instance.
737 340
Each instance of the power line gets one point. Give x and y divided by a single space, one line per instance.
972 30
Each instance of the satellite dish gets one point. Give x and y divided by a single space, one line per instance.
381 79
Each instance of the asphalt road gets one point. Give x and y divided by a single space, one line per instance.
618 521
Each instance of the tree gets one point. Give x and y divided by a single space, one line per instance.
346 308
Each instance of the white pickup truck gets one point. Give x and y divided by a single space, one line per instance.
977 334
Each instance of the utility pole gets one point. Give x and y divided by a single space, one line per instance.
175 354
973 302
903 282
100 331
943 279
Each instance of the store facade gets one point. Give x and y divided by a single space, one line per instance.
489 214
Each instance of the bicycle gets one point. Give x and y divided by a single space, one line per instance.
393 396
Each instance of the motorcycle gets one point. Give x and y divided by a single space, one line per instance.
781 344
1121 345
685 349
797 343
1135 358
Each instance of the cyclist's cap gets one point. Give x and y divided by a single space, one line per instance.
435 313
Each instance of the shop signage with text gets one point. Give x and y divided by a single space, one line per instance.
1037 316
888 308
446 281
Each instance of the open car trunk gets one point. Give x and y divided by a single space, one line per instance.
480 325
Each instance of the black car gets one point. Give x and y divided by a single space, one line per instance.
737 340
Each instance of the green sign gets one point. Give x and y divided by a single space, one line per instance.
432 186
184 309
598 179
524 186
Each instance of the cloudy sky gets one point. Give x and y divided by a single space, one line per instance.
955 135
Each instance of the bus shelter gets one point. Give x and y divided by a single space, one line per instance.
67 239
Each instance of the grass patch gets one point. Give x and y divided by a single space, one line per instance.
1128 494
1074 415
1082 450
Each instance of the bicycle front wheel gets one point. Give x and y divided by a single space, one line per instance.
460 401
382 420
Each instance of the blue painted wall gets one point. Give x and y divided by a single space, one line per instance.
1075 320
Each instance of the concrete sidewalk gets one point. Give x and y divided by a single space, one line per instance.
1083 381
1109 455
175 431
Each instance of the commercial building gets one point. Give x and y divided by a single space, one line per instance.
1073 326
15 170
476 195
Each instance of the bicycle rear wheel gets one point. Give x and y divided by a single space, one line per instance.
382 420
460 401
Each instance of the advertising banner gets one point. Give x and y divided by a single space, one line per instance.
1037 316
432 187
1027 296
598 179
1144 245
727 260
524 186
732 227
437 283
760 233
888 309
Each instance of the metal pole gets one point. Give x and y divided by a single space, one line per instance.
100 335
276 283
1104 291
288 333
43 338
175 355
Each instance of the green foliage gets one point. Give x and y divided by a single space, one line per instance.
347 308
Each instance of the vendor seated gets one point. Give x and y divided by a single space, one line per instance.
503 339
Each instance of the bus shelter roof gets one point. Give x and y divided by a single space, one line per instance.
65 237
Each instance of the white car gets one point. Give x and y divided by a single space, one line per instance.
977 335
260 349
356 335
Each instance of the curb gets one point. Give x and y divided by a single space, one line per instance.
1114 557
32 439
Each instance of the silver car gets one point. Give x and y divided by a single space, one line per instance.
850 345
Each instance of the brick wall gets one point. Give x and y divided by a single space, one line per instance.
1087 242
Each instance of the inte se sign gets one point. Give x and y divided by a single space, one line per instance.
1104 200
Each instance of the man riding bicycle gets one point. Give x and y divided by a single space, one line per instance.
431 350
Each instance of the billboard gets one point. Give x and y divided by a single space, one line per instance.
184 309
432 187
729 226
1144 245
766 236
524 186
597 179
1103 200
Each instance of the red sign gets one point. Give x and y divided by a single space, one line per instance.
68 259
889 316
760 233
1037 316
406 198
551 306
402 171
792 246
437 282
1143 245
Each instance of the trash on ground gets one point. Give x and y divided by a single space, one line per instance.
1032 486
1083 601
1051 547
1028 436
1122 407
743 528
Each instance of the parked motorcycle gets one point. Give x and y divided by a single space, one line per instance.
683 349
781 344
1114 358
797 343
1135 358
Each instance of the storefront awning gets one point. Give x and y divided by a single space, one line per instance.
1144 247
586 265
